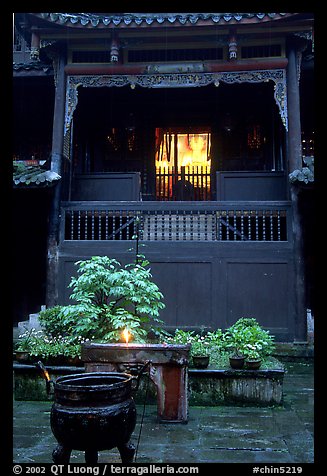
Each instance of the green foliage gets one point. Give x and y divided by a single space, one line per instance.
200 344
25 341
43 346
246 337
52 321
252 353
220 360
109 298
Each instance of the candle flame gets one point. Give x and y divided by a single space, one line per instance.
46 374
126 335
44 371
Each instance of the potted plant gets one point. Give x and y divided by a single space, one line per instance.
23 346
36 345
30 344
200 352
234 341
236 360
200 346
246 337
253 359
239 338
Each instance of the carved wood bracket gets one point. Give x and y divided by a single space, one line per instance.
183 80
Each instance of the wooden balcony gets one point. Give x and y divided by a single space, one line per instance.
176 221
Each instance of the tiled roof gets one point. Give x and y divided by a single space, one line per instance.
136 19
33 175
33 66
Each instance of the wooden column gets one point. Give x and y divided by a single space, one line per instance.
293 106
35 47
56 166
294 153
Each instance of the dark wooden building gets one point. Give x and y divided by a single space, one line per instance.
194 129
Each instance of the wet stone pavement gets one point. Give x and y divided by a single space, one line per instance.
215 434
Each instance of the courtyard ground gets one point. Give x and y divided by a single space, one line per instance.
213 434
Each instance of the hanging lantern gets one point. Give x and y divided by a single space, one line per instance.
254 137
232 47
114 51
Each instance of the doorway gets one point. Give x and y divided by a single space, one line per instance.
183 163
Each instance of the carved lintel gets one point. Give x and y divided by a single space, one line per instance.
190 79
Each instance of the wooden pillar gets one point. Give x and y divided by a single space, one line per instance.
35 47
293 107
294 153
56 166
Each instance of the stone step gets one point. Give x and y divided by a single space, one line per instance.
32 323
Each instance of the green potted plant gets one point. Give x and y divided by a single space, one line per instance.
34 345
246 336
56 350
200 352
200 346
253 358
23 346
234 342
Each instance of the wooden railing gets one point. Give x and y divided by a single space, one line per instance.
176 221
184 183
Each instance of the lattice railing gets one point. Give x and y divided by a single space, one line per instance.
184 183
172 221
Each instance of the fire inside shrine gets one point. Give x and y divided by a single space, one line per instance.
182 165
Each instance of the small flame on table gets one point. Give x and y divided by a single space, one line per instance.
126 335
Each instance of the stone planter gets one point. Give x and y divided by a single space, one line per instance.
205 386
235 387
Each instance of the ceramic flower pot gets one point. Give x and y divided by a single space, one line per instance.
76 361
253 364
201 361
236 362
22 356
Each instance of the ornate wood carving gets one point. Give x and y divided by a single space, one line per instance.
196 79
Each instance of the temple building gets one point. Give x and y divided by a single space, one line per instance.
192 132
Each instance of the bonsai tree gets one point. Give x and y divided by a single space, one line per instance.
110 298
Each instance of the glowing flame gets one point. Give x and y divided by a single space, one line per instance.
126 335
44 371
46 375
